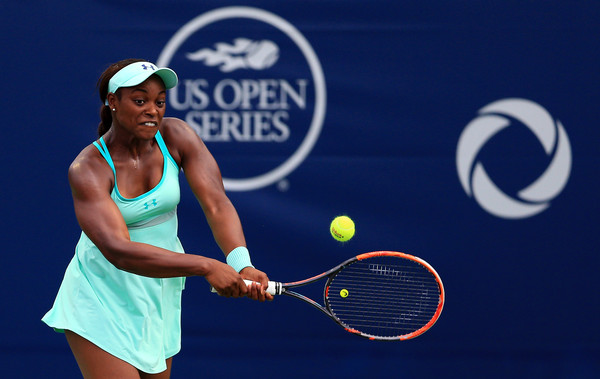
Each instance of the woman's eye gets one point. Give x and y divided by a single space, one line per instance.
160 103
139 102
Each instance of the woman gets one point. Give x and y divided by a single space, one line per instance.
120 300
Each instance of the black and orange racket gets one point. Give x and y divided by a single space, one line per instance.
383 295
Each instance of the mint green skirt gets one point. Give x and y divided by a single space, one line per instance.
134 318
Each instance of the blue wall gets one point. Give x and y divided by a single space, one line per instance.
383 93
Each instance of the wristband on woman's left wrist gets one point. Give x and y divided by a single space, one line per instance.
239 258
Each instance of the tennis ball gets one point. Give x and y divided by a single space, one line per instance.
344 293
342 228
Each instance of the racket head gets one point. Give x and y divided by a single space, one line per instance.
385 295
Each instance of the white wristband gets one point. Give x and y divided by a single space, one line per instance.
239 258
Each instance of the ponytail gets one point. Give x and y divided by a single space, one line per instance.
105 120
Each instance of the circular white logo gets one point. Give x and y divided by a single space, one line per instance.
476 182
242 90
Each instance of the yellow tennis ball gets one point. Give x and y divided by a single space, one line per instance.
344 293
342 228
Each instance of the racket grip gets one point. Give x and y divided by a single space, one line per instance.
273 288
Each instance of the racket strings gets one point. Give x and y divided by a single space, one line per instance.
384 297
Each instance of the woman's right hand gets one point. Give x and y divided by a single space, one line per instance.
225 280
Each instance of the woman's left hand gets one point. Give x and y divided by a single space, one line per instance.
256 291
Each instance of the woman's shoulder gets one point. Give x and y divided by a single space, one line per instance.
181 139
176 132
88 164
86 157
172 125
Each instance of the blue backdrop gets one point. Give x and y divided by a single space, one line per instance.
463 132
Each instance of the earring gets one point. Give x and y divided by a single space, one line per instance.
114 110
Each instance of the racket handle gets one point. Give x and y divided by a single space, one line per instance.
273 288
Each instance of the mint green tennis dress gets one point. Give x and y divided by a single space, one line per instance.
134 318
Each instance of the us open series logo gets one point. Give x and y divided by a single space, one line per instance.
252 88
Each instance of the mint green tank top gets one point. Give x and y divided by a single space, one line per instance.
133 317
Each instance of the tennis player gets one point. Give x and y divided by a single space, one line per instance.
119 303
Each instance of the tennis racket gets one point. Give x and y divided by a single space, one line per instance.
383 295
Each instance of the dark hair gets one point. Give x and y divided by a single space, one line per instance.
105 113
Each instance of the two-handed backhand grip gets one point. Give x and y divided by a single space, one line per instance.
274 288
